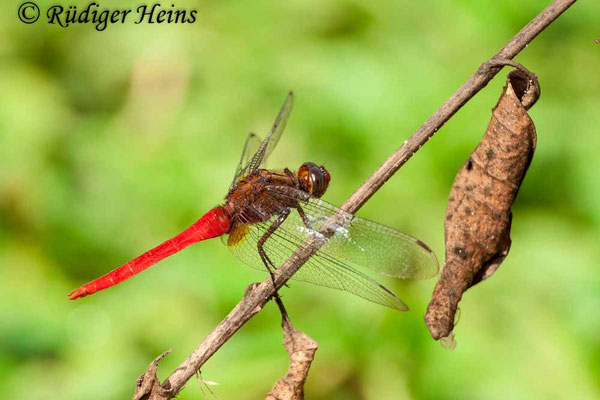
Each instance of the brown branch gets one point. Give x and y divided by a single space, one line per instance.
254 299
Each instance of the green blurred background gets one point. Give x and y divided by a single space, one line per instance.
114 141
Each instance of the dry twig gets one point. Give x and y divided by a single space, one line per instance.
256 298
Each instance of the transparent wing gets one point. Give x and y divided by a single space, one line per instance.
250 148
255 155
321 269
267 145
363 242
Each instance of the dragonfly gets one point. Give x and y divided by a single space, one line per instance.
268 214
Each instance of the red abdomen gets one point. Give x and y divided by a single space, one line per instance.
214 223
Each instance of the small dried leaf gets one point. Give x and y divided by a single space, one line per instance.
478 216
301 349
148 386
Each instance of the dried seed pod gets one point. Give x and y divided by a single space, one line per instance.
478 216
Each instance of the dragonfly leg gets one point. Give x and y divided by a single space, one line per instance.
304 217
261 242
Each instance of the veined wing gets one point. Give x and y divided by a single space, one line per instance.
321 269
250 162
250 148
361 241
267 145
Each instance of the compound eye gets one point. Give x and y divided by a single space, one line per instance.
316 183
325 173
314 179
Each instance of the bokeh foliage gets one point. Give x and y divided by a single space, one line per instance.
112 141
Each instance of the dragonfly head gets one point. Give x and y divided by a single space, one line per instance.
313 179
